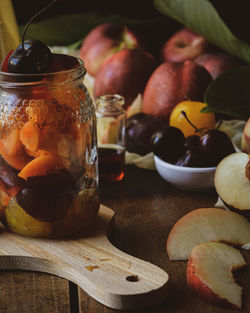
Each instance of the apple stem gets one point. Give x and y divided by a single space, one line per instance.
219 124
32 19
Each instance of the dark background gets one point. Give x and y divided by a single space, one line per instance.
140 9
139 15
234 13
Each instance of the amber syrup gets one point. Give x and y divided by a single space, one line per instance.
111 162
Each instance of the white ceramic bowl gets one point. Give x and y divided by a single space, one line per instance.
186 178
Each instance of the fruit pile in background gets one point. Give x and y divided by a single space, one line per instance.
115 56
157 88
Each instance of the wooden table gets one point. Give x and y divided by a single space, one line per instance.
146 208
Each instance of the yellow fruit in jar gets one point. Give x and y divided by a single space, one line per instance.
80 215
20 222
192 109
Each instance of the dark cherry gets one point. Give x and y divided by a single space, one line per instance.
32 57
191 159
168 143
44 205
192 143
215 145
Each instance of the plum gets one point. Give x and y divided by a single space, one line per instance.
44 205
9 179
60 181
139 129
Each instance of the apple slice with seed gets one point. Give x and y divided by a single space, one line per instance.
205 225
210 273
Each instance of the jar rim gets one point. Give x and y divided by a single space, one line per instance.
111 103
80 70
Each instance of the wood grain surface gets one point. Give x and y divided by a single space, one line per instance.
146 208
108 275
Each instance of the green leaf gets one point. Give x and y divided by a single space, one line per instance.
71 28
230 93
202 17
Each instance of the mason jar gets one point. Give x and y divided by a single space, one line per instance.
48 153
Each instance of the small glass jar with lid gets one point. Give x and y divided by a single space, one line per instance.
111 119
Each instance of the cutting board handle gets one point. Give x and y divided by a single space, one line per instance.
110 276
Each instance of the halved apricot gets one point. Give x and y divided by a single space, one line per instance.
30 136
10 140
18 160
11 148
37 153
44 165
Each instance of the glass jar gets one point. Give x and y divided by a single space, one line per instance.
48 153
111 119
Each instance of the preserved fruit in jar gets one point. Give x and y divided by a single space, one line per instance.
48 152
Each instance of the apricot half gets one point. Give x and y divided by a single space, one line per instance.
30 136
44 165
11 148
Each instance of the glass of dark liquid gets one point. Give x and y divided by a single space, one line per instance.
111 118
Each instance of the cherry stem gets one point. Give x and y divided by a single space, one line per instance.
185 115
197 130
32 19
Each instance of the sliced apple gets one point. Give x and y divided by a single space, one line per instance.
135 107
205 225
232 182
209 273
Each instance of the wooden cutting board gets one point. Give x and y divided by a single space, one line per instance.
107 274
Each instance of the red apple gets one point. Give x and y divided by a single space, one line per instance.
209 273
184 45
126 73
172 83
103 41
216 62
